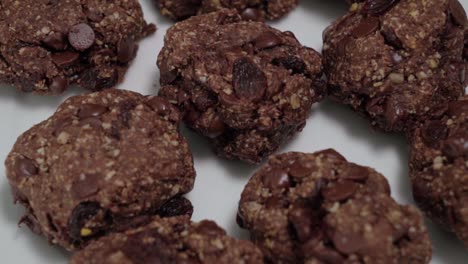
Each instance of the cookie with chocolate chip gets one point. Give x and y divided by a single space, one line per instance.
102 162
256 10
319 208
439 167
395 61
47 45
244 85
170 240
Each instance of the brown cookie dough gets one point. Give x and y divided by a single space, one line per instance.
47 45
319 208
394 61
246 86
257 10
102 162
439 167
170 240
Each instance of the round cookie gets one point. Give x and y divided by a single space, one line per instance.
170 240
100 163
439 167
48 45
394 61
257 10
244 85
319 208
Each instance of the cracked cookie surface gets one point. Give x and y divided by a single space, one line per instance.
319 208
102 162
439 167
244 85
48 45
170 240
394 61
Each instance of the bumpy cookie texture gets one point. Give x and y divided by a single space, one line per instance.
439 167
394 61
102 162
48 45
319 208
170 240
244 85
257 10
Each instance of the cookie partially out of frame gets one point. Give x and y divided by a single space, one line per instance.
395 61
170 240
102 162
319 208
257 10
244 85
439 167
47 45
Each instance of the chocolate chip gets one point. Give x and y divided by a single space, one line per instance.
175 207
392 39
81 36
395 112
267 40
58 85
216 127
298 170
293 63
82 215
126 50
91 110
342 46
25 167
458 12
276 179
456 146
332 154
433 131
367 26
348 243
377 7
355 172
85 186
253 14
56 41
249 81
340 191
65 59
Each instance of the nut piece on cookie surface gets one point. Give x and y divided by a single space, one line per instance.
319 208
395 61
170 240
256 10
47 46
103 162
242 84
439 167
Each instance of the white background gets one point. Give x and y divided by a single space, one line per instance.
220 182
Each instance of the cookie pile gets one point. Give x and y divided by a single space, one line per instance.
105 176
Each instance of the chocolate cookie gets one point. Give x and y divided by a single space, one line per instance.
246 86
319 208
394 61
100 163
170 240
48 45
439 167
257 10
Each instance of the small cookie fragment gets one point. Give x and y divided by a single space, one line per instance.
46 46
319 208
256 10
244 85
395 61
103 162
439 167
170 240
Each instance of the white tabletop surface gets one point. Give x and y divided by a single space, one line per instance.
219 182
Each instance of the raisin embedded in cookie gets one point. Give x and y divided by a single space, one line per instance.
170 240
246 86
394 61
439 167
319 208
46 45
257 10
102 162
